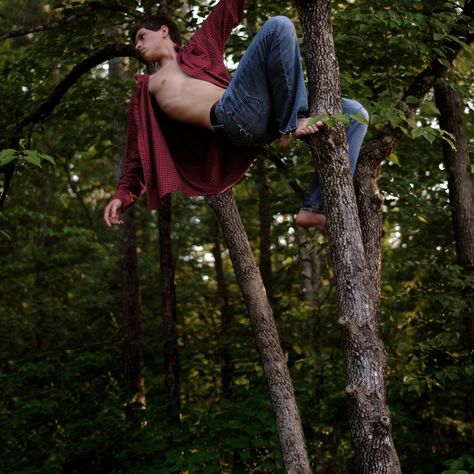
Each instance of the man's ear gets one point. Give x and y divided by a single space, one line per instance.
165 31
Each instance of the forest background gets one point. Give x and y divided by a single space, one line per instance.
67 401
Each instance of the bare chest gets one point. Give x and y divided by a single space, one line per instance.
182 97
167 80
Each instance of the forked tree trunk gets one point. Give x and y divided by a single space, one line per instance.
278 380
364 355
461 190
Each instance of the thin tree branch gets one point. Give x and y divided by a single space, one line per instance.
109 52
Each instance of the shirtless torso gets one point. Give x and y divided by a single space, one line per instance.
183 98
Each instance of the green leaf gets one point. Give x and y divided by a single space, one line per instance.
7 156
429 134
430 107
317 118
411 122
342 118
444 62
412 99
35 157
393 158
449 138
359 118
47 158
32 157
416 132
4 235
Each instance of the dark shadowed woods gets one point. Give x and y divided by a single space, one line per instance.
152 349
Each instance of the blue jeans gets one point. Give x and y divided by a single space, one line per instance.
267 95
355 132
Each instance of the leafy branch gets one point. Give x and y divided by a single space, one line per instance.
105 54
34 157
383 144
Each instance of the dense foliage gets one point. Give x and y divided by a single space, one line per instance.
61 407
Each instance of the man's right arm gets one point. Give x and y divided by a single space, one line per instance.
132 183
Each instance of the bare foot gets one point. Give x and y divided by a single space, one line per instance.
311 219
302 129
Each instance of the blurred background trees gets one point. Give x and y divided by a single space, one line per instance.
63 384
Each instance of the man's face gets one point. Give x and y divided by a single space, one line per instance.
150 44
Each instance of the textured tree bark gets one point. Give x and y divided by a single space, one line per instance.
226 314
364 355
132 328
278 380
369 202
461 190
305 251
311 278
264 212
171 357
134 382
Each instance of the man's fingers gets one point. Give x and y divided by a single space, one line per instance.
112 213
106 215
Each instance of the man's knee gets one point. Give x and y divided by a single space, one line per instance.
350 106
362 111
282 24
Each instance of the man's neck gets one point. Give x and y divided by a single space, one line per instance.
169 56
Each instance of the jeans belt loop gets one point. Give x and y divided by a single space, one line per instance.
215 125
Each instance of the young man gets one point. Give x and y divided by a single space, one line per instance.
194 130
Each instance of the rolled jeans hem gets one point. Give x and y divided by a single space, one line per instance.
310 209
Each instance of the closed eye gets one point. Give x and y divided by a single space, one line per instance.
139 37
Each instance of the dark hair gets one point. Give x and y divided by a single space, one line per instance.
154 23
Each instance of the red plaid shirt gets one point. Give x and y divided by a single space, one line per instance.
163 155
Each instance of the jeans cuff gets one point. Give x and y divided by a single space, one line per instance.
310 209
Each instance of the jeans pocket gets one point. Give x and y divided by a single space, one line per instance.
248 114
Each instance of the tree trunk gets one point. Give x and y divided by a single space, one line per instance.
364 355
226 314
132 328
171 360
265 227
128 261
461 190
309 274
278 380
168 288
